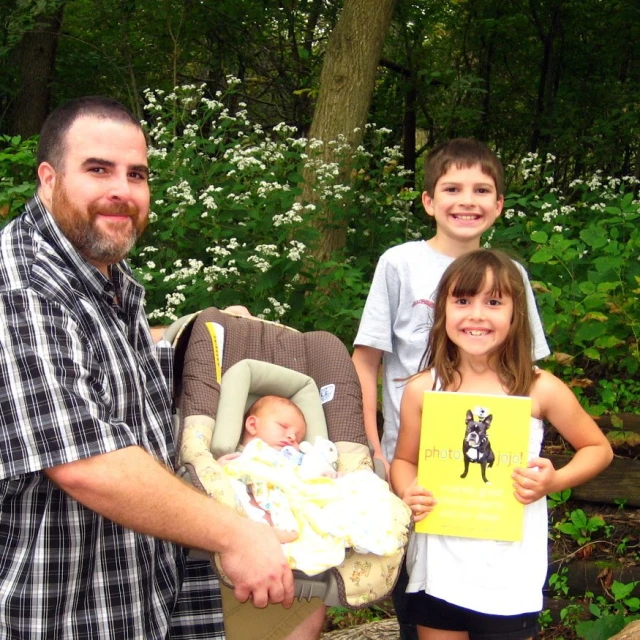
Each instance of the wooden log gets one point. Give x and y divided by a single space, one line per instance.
630 422
619 481
622 431
630 632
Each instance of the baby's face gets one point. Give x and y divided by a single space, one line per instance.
280 426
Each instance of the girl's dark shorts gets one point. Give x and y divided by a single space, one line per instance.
427 611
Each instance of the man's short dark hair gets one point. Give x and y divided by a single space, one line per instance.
51 143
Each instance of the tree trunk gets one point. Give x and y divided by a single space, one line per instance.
37 55
346 87
548 79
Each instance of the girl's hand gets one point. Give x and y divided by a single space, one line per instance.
534 482
420 501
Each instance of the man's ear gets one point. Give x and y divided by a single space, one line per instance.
251 425
427 203
47 177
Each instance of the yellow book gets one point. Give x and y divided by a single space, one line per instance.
469 446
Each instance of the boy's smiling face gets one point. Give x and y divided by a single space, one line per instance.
465 203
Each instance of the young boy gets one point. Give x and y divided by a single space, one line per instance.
463 192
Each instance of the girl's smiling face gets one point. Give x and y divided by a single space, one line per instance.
477 324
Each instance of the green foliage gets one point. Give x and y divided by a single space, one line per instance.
581 248
589 616
608 614
611 614
17 171
517 74
558 582
557 499
228 225
580 527
343 618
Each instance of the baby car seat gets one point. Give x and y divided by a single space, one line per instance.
322 382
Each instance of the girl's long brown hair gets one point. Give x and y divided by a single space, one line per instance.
513 359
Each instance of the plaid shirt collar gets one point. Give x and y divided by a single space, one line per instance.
92 278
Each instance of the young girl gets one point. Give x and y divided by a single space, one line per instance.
463 588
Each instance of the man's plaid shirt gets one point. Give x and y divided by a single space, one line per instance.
79 377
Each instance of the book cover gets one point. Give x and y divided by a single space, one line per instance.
469 446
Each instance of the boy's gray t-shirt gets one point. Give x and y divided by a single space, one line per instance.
397 318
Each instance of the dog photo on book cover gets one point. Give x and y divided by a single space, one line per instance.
476 447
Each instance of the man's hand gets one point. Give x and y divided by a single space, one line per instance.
157 333
238 310
256 566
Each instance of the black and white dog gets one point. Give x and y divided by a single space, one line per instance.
476 446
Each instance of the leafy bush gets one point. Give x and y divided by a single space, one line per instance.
17 173
228 226
611 614
580 526
581 249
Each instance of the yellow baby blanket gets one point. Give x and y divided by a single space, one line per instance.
355 510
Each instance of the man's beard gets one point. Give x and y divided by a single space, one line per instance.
79 227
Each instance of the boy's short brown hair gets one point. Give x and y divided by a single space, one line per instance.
461 152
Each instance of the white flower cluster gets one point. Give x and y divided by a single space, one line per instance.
265 188
244 158
549 213
393 154
195 135
262 264
595 182
182 193
269 250
217 250
216 273
279 309
296 251
185 273
152 152
293 215
208 200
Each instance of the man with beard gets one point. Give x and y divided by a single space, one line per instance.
91 514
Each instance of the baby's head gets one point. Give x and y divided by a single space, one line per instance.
277 421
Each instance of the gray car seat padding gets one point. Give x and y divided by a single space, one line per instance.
317 354
248 380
